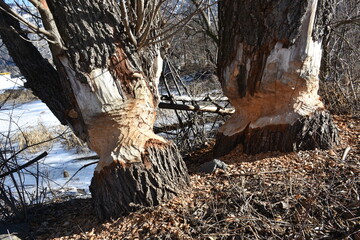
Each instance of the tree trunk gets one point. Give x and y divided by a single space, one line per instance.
269 60
113 91
118 190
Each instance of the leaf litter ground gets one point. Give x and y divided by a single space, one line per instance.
304 195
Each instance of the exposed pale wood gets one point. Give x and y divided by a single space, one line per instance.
269 61
308 132
106 89
120 136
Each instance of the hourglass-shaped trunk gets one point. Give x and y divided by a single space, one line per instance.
269 61
106 88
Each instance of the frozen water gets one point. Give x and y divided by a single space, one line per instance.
14 118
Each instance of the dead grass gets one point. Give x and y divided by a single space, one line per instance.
17 96
70 141
41 137
35 138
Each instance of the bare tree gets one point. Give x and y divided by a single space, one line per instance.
340 72
208 19
104 85
268 64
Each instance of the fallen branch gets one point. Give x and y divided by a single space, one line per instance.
191 99
87 158
44 154
172 127
219 110
259 173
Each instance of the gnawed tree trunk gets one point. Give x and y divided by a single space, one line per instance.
112 86
269 60
139 185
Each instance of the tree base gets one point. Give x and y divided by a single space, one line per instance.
117 190
310 132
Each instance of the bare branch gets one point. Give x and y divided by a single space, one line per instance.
25 9
354 20
125 20
172 12
28 40
33 145
172 30
355 49
140 15
215 22
85 166
172 127
206 20
18 168
4 7
49 23
154 12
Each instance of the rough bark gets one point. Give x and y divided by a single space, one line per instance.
119 189
111 88
269 60
308 132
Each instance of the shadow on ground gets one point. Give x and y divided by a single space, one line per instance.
76 215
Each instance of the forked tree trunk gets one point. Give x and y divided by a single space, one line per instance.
112 90
269 61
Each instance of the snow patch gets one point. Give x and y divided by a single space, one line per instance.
58 160
7 82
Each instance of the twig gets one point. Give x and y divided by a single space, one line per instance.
4 7
86 165
212 33
44 154
33 145
171 100
172 30
196 99
125 20
259 173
